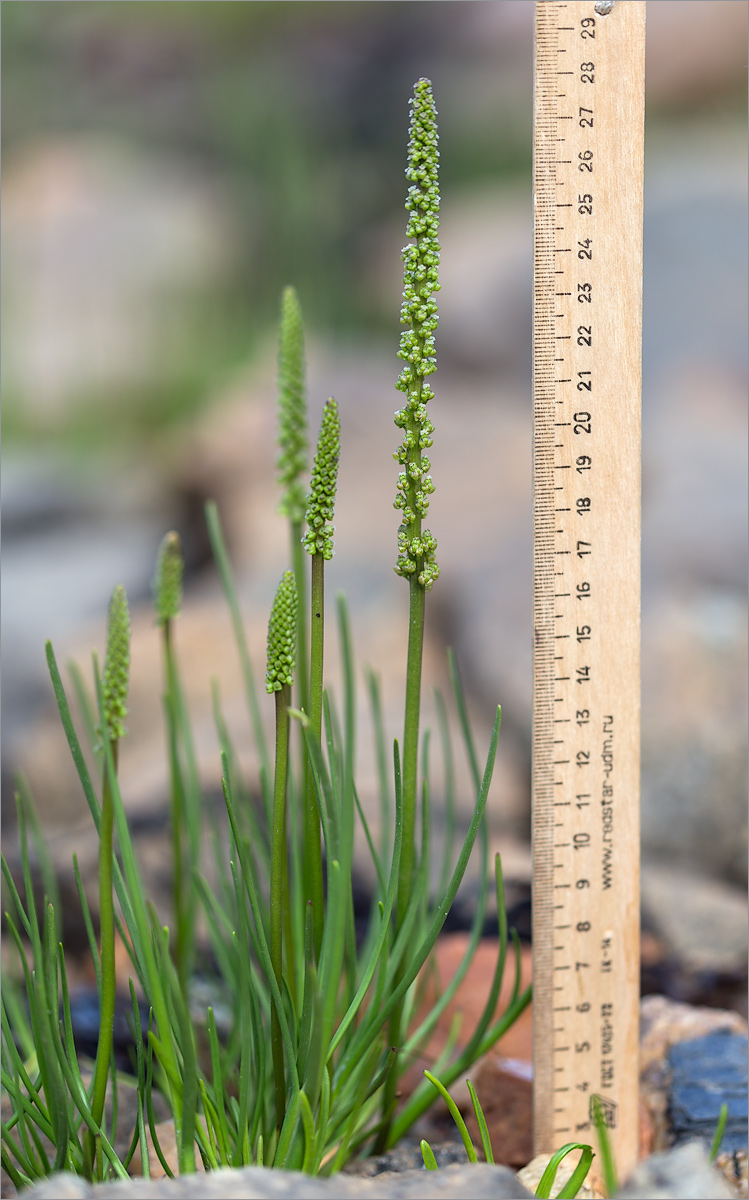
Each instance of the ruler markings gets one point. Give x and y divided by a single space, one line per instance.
586 958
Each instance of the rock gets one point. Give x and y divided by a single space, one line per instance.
505 1091
406 1156
734 1169
663 1024
683 1172
103 246
703 922
480 1181
706 1073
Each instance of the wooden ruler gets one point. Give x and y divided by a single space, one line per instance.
588 144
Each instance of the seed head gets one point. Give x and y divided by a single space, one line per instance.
167 583
116 665
292 407
282 635
321 500
417 348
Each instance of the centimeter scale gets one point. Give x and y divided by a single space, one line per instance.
588 160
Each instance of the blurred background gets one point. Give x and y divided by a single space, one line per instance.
167 169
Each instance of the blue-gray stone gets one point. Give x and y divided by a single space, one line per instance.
706 1073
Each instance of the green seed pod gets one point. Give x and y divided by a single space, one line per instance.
282 635
419 314
116 665
321 500
167 584
292 407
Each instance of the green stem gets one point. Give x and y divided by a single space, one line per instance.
312 844
278 877
107 959
177 814
410 780
298 556
411 742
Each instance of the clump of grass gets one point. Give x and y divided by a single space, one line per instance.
325 1023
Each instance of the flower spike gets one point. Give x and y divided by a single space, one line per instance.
419 313
292 406
282 636
116 675
167 584
321 500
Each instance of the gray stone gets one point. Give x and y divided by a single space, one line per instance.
702 921
683 1173
706 1073
480 1181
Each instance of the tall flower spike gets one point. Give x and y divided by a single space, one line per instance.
321 500
419 314
116 674
167 584
292 407
282 636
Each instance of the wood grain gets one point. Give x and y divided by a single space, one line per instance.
588 163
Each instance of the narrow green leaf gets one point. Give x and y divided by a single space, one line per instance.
430 1162
481 1119
575 1181
455 1114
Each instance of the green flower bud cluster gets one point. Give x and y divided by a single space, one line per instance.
282 635
292 404
167 584
416 548
116 673
321 499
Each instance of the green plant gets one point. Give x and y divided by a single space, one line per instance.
325 1024
568 1190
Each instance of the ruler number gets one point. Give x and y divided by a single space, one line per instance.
582 716
586 160
588 27
582 422
582 504
582 553
586 250
585 122
585 385
587 70
585 204
583 462
583 635
584 293
584 335
582 589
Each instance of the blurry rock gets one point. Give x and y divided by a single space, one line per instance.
506 1097
683 1172
103 247
702 921
663 1024
706 1073
479 1180
733 1168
